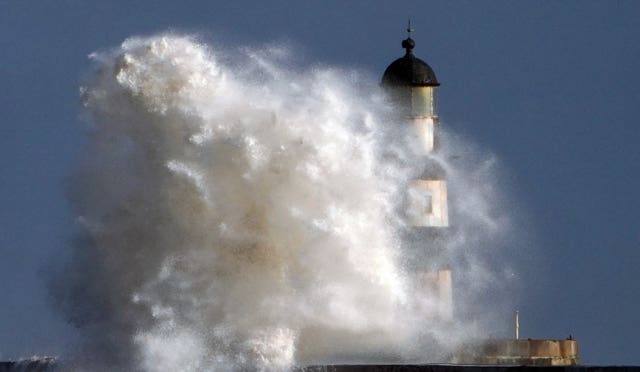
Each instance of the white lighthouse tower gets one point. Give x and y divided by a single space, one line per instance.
412 84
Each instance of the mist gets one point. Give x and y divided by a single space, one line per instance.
238 212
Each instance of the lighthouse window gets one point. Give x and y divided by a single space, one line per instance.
428 203
422 101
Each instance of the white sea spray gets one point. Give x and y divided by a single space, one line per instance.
245 215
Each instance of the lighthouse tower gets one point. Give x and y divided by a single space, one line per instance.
412 85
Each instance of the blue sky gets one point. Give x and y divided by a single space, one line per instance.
552 88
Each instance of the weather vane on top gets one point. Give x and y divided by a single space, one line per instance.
409 29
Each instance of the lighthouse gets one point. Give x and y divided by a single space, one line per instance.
412 86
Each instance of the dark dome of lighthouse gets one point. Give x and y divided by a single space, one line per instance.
409 70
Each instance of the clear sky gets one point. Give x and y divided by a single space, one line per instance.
552 88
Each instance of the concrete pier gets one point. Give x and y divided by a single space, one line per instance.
48 364
531 352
